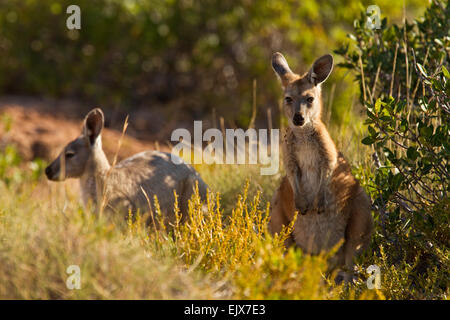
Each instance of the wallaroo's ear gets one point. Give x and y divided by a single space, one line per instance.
281 68
321 69
93 125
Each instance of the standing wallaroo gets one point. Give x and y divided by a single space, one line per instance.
128 184
319 184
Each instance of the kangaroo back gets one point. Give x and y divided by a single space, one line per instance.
138 179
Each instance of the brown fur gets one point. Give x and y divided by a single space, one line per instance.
319 184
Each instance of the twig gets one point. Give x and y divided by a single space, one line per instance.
405 42
252 119
382 209
151 210
363 80
330 103
376 80
393 70
119 144
269 118
222 125
415 67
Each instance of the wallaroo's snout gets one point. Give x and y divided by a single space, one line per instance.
49 172
298 119
53 171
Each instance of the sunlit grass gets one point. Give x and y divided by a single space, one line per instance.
220 250
216 253
40 241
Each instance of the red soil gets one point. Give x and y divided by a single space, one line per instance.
40 128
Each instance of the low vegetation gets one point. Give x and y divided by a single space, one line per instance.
400 154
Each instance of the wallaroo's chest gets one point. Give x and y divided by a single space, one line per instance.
305 146
307 154
304 152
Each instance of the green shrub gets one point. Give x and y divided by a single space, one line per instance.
12 170
405 87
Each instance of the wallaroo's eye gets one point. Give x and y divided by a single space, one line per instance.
288 100
70 154
310 99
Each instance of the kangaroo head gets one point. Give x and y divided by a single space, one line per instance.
302 94
72 161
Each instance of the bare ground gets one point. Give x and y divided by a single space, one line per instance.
39 128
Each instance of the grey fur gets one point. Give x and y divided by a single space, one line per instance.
128 184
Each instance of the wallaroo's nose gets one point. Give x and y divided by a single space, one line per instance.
298 119
48 172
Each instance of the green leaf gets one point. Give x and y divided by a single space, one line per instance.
351 36
445 72
368 141
372 131
371 115
426 132
422 70
437 85
404 125
412 153
396 181
378 105
423 106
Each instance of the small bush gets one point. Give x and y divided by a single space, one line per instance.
405 87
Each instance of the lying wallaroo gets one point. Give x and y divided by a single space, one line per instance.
319 184
122 185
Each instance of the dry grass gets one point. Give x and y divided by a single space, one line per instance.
39 242
225 252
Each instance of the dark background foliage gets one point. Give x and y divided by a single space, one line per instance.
187 59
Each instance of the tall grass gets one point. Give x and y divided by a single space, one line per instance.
39 242
215 254
221 250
